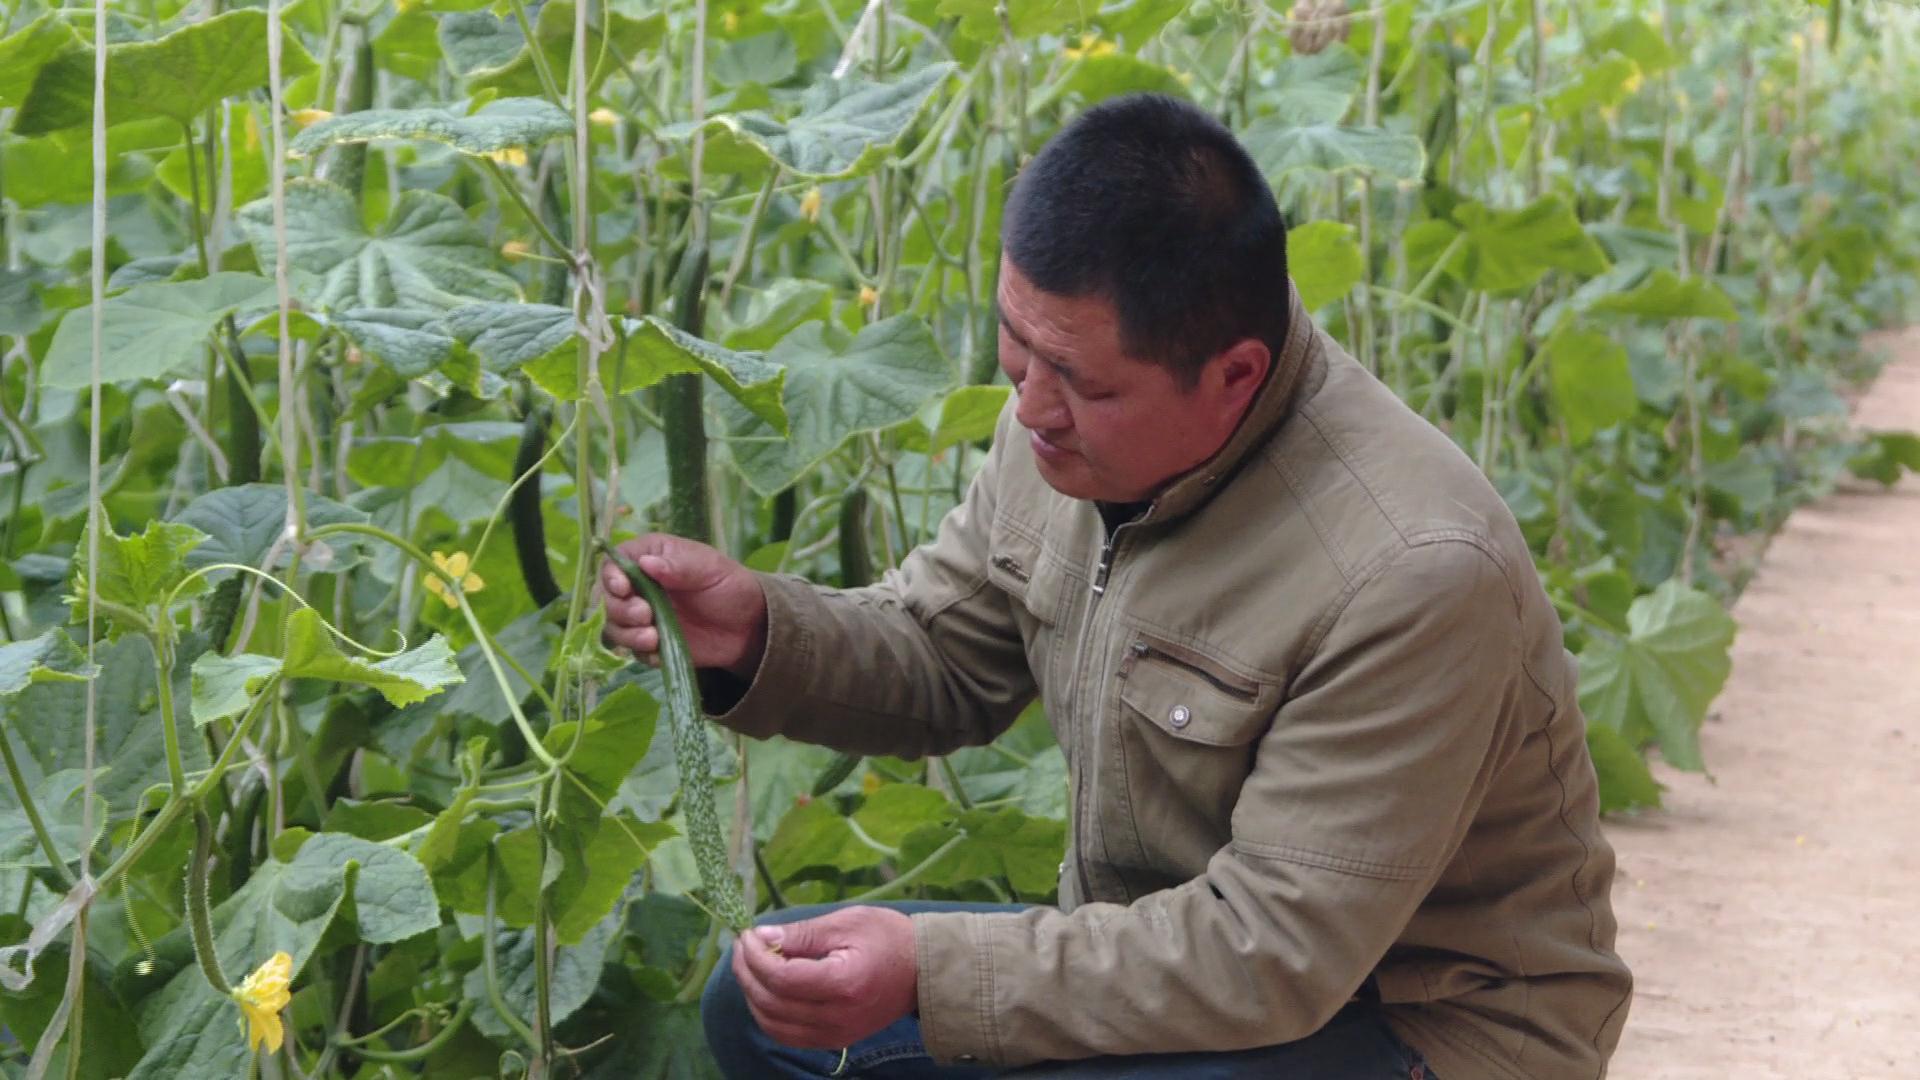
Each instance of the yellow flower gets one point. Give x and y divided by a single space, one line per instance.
1634 82
604 116
810 204
512 155
870 783
1090 45
306 118
869 296
261 997
515 249
457 567
731 22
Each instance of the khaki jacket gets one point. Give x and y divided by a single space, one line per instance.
1320 727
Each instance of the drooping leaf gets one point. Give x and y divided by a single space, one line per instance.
886 374
178 76
426 255
967 414
1325 261
1592 382
845 127
1625 782
773 311
414 675
1026 850
499 125
152 331
658 349
1655 683
1664 296
507 337
24 52
1281 148
50 657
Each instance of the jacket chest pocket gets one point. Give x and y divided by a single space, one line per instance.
1189 727
1018 566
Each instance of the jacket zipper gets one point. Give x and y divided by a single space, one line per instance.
1085 807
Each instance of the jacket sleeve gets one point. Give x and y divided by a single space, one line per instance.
1360 792
925 661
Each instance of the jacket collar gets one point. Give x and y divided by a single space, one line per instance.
1270 408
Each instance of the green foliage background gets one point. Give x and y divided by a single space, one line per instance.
736 261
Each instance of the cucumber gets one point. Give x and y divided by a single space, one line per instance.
688 721
529 529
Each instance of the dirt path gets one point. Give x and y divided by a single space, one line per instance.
1772 915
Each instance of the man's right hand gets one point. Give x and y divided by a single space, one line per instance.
720 605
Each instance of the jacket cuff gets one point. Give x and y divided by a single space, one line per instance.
953 952
786 670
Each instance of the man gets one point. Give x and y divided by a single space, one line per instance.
1332 812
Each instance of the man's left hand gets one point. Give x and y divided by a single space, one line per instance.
833 980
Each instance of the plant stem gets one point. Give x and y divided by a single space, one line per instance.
899 884
32 811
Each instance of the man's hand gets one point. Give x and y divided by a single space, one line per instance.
721 608
834 981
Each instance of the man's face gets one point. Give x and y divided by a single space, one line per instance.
1102 424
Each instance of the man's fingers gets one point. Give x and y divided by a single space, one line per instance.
768 1007
632 611
639 640
614 580
774 972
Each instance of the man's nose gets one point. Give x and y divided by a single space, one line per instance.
1041 406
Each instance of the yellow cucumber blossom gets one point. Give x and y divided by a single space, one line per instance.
515 249
457 567
810 204
1635 81
604 116
869 296
305 118
1090 45
731 22
261 997
512 155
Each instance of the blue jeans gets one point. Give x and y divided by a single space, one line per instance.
1355 1045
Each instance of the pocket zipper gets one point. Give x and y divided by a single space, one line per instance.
1222 683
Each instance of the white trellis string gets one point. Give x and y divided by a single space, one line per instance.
83 891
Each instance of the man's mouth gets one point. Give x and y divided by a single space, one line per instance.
1046 450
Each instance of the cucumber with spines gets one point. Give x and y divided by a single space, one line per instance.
689 725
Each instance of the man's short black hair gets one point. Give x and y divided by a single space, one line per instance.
1151 204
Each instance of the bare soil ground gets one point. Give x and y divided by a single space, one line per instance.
1771 913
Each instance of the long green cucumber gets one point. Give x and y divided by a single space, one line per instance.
688 721
529 528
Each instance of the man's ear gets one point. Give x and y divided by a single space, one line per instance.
1240 372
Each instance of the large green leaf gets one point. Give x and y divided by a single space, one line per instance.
507 337
885 375
967 414
51 657
993 843
1638 39
1655 683
57 169
26 51
151 331
426 255
1602 84
284 906
1592 382
621 36
1664 296
411 342
1324 260
479 41
1316 89
62 810
1509 250
845 128
243 523
576 971
499 125
130 751
1281 148
21 310
223 686
178 76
